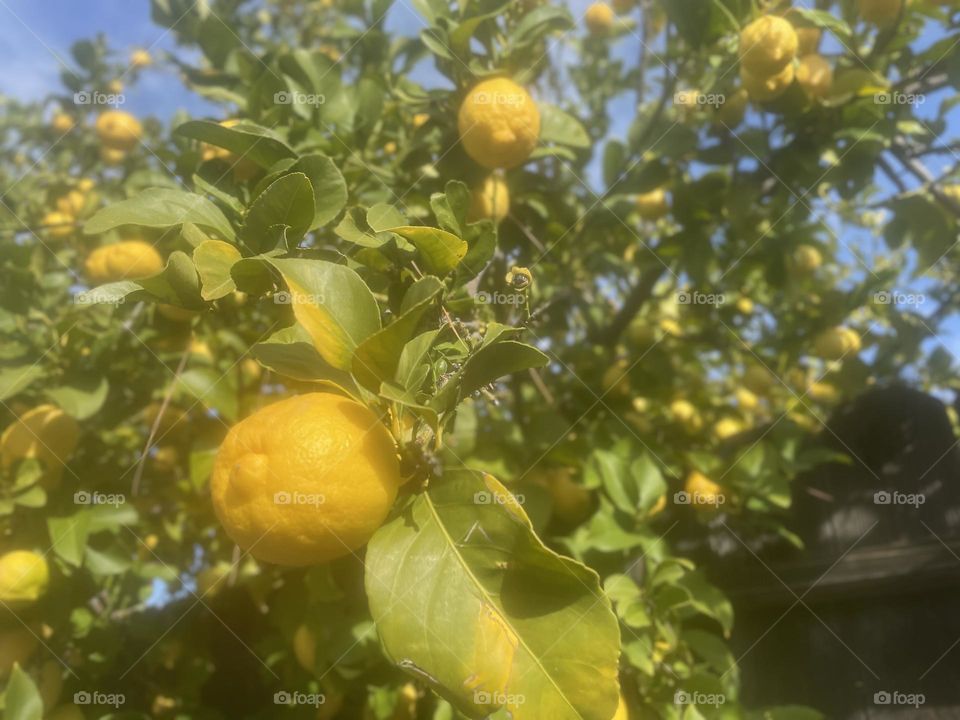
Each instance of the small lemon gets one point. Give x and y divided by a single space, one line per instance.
140 59
119 130
58 225
126 260
490 200
112 156
733 109
806 258
652 205
767 45
835 343
305 480
703 492
599 19
62 123
726 428
305 648
808 40
420 119
24 577
746 399
766 88
815 76
744 306
72 203
823 392
45 433
499 123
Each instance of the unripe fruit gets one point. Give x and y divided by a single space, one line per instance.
836 343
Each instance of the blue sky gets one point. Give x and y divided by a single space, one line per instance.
35 37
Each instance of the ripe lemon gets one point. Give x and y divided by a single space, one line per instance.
305 648
24 577
684 413
806 258
420 119
879 12
653 205
305 480
744 306
72 203
767 45
952 192
490 200
140 59
58 225
119 130
599 19
126 260
62 123
499 124
823 392
16 646
836 343
726 428
815 76
704 493
765 88
622 712
746 399
112 156
808 40
45 433
572 503
733 109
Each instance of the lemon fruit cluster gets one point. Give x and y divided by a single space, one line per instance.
24 577
119 132
489 200
768 47
60 223
45 433
305 480
125 260
499 124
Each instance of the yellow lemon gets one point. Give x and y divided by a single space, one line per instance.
815 76
305 648
126 260
165 458
684 413
58 225
118 130
765 88
703 492
112 156
726 428
85 185
62 123
45 433
652 205
250 371
823 392
808 40
806 258
599 18
767 45
390 148
733 109
140 59
16 646
499 124
115 86
24 577
623 712
72 203
880 12
836 343
744 305
490 200
746 399
420 119
572 503
305 480
952 192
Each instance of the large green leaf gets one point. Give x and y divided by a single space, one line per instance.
22 699
290 352
214 259
497 360
333 304
329 187
467 598
245 140
215 390
82 398
161 208
16 379
561 128
280 216
441 251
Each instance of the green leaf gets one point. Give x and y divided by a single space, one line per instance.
213 260
22 699
177 284
14 380
333 304
467 598
451 207
290 352
213 389
353 228
825 20
280 216
441 251
497 360
161 208
329 187
561 128
81 399
245 139
68 537
383 216
377 357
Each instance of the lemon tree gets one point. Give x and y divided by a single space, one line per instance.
394 388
